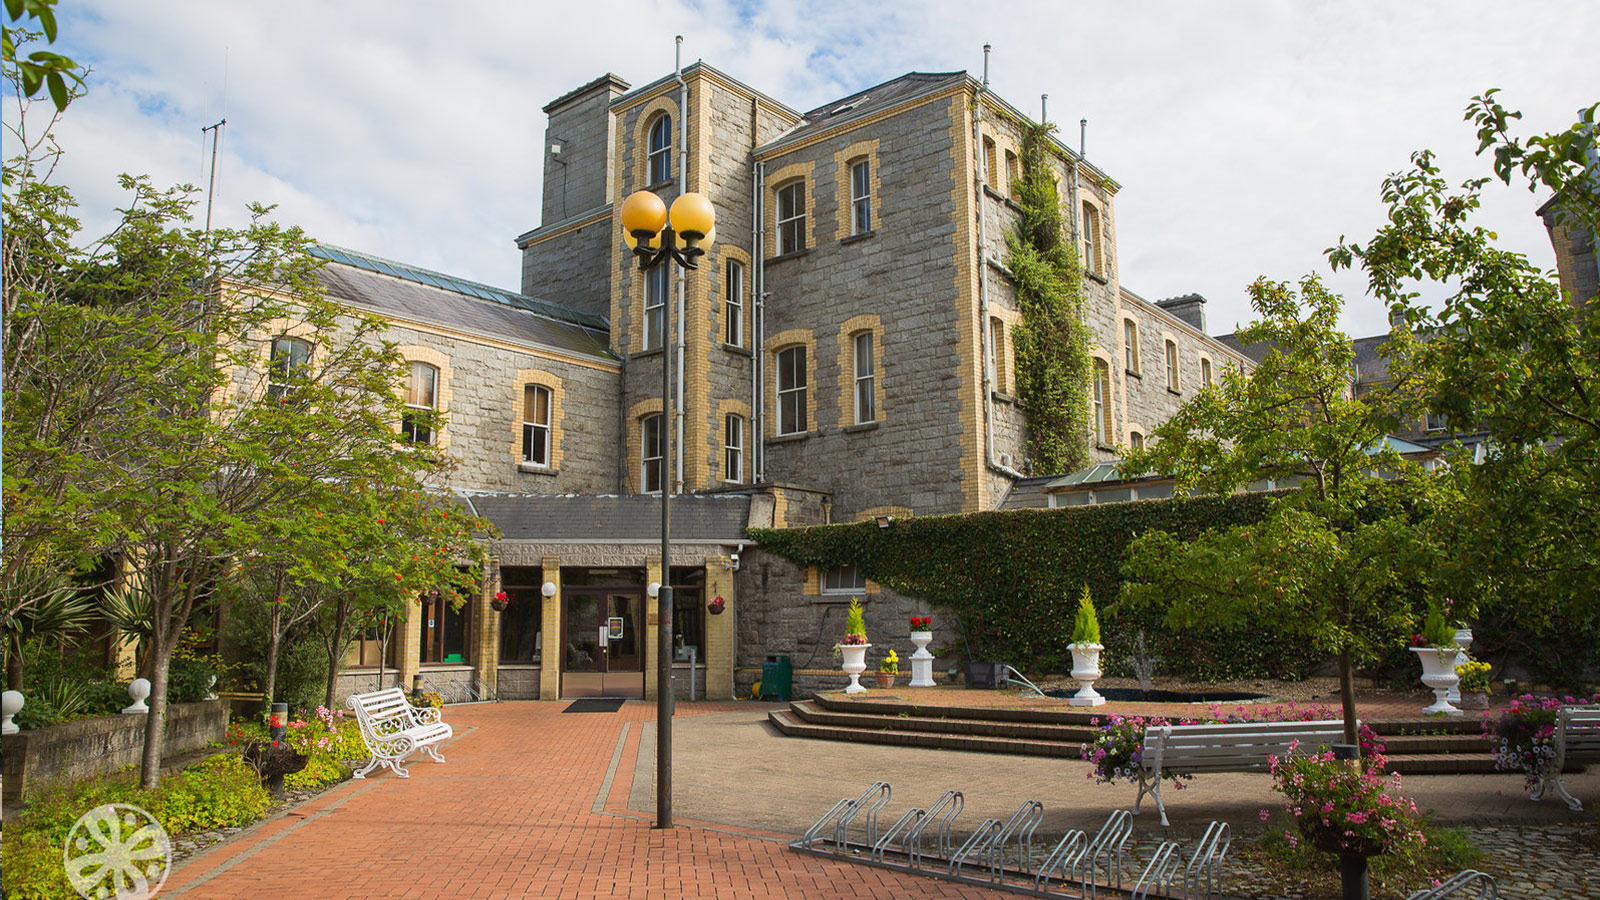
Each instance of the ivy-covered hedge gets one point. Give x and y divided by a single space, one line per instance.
1013 578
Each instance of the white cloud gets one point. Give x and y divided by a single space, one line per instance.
1247 136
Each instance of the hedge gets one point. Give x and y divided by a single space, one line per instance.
1013 578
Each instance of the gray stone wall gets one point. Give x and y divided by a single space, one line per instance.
484 417
904 273
571 268
576 180
778 618
71 751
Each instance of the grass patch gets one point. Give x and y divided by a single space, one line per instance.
1300 868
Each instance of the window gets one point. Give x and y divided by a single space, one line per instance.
865 379
997 353
1130 346
688 613
655 306
289 360
860 198
735 285
792 390
421 400
1172 366
1436 422
1136 440
990 171
536 425
843 579
652 454
1091 240
1013 173
1102 402
792 218
522 621
444 629
1205 371
733 449
661 151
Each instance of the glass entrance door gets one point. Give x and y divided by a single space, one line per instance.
602 653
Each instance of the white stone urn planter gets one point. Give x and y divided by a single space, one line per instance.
855 662
1463 641
922 660
11 703
1086 670
1439 674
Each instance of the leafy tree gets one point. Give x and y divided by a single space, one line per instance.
1506 353
1324 565
40 68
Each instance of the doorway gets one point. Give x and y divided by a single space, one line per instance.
602 642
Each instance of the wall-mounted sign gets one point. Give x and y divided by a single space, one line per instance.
614 628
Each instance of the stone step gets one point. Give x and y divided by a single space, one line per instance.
815 714
1441 763
1419 744
794 726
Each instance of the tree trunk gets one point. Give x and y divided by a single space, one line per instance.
14 663
274 645
341 619
1347 696
156 720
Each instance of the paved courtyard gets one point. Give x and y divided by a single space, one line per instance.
535 802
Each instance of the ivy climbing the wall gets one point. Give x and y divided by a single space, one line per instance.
1050 343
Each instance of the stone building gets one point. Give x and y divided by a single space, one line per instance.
843 352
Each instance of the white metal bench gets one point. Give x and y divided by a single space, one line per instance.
1577 739
1239 747
393 729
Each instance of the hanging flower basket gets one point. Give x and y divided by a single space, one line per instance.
500 601
715 607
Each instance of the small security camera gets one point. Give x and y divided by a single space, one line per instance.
733 562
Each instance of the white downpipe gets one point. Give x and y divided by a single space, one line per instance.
758 325
683 275
983 269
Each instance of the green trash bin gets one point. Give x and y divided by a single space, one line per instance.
777 678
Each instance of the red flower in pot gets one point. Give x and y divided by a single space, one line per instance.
500 601
716 606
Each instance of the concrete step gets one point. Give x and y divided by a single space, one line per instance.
1414 745
815 714
1442 763
787 722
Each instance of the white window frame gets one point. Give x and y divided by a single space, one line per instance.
280 379
861 197
733 273
1102 386
733 449
660 155
412 430
536 435
792 395
792 228
1091 239
866 378
647 462
1172 365
997 353
1130 345
657 289
1136 440
834 580
1205 371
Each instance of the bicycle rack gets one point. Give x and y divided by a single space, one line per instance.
1077 866
1158 875
1452 887
1206 864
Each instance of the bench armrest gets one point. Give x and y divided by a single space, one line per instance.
425 715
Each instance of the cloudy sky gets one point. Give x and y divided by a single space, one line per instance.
1247 136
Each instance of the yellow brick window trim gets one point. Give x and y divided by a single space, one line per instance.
1129 341
844 161
557 388
782 178
1201 370
443 390
719 448
725 255
848 330
991 137
645 119
637 413
1108 398
1091 239
776 344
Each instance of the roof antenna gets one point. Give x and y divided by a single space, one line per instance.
211 186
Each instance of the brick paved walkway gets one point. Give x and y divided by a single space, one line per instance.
537 803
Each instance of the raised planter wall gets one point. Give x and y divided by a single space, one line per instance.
76 750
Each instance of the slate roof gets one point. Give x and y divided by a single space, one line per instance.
407 292
1027 493
866 102
719 518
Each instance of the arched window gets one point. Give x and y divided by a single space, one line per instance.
1172 366
422 386
733 449
1205 371
652 454
661 150
792 390
1130 346
792 217
289 360
735 304
866 378
536 425
656 288
1092 261
860 197
1102 402
997 355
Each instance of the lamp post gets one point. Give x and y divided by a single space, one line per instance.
652 234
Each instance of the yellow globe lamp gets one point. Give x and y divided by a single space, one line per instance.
692 216
643 214
633 243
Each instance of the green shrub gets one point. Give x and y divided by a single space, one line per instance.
1436 632
219 792
1085 625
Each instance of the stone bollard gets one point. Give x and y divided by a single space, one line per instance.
139 690
10 704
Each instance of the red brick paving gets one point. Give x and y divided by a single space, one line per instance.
510 815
